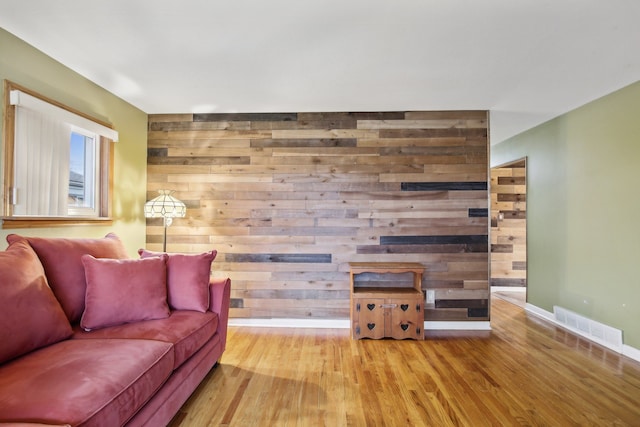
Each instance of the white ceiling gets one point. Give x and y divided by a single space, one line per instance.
525 60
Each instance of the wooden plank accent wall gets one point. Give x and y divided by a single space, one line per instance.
509 235
288 200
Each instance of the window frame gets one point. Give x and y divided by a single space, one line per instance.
105 177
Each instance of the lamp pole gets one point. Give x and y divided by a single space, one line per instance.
164 239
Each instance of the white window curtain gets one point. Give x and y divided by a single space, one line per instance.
41 164
42 154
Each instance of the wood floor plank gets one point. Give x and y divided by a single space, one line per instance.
525 371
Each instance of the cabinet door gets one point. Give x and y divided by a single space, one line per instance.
369 318
407 318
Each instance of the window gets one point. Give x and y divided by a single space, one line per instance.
83 166
57 162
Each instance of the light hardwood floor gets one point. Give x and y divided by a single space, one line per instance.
524 372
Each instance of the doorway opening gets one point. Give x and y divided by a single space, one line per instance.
509 232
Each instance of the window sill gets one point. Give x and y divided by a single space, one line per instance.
41 222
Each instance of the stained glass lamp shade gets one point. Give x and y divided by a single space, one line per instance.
167 207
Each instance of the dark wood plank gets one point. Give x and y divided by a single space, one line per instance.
294 258
250 117
443 186
432 240
478 212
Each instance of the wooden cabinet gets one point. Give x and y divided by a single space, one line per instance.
387 311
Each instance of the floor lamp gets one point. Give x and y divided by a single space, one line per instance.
167 207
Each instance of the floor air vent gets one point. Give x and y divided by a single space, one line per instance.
595 331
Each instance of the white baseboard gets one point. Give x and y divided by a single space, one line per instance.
508 289
457 326
628 351
292 323
631 352
541 313
346 324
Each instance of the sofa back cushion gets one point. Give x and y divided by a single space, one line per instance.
123 291
187 279
61 259
30 315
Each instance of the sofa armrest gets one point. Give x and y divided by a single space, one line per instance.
220 299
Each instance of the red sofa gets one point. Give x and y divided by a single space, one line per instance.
90 337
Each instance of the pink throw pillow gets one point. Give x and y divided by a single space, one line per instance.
124 291
30 315
187 279
60 258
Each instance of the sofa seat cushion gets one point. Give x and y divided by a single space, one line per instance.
187 330
84 382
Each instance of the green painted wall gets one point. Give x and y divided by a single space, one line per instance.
27 66
583 210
